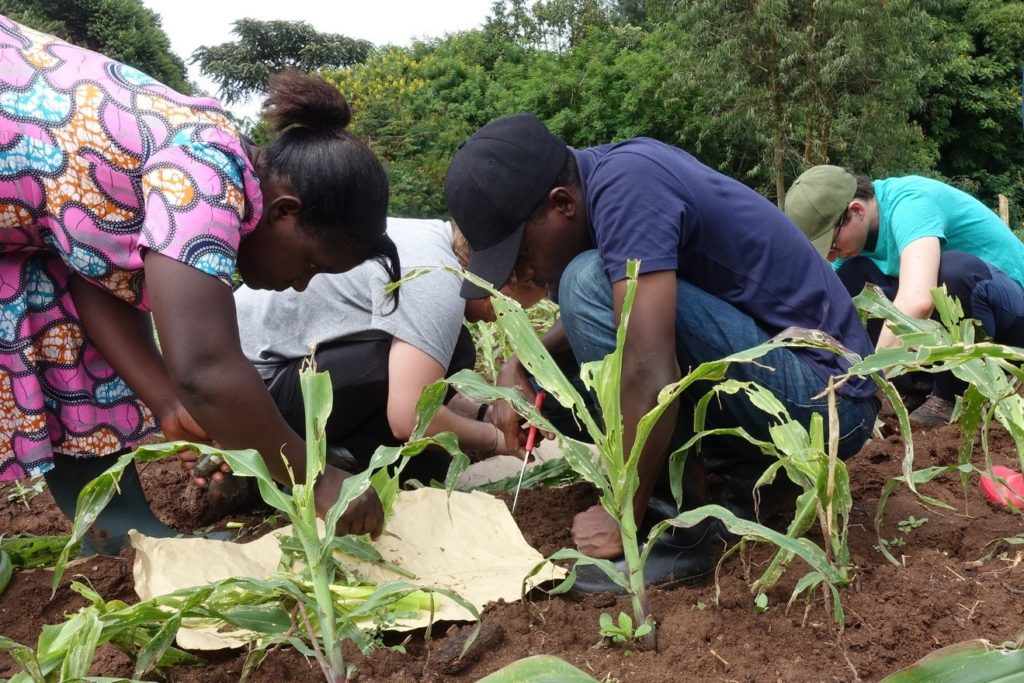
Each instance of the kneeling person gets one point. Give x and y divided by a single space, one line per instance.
379 350
908 235
721 270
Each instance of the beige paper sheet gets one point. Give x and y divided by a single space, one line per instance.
478 552
500 467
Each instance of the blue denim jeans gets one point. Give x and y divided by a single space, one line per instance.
708 328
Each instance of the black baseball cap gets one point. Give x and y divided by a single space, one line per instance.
498 176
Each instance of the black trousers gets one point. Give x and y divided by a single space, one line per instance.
359 374
985 292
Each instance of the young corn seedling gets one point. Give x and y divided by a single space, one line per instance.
29 552
65 651
24 493
77 646
266 607
551 473
978 661
992 373
6 570
614 472
493 345
326 612
539 669
802 454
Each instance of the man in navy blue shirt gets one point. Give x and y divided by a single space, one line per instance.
721 270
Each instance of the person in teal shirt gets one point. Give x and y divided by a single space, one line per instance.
909 235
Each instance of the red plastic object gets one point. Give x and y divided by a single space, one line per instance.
1004 487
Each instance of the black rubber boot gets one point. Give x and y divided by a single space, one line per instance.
679 556
735 492
126 510
231 494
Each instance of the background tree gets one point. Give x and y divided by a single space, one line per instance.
759 90
414 105
608 86
804 83
124 30
972 97
242 68
591 78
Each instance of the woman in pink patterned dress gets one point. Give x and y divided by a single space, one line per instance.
120 197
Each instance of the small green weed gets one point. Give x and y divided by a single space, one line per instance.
621 630
910 523
998 548
21 492
895 542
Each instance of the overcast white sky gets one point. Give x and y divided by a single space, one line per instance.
191 23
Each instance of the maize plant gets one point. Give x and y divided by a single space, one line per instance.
972 661
614 472
800 452
319 599
991 371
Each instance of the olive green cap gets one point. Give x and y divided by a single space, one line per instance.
817 199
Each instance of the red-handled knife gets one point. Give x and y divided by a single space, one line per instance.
531 439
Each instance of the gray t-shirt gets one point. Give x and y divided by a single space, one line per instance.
280 326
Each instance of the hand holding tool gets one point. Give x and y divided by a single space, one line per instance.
207 465
531 438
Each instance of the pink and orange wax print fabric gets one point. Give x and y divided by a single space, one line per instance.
98 165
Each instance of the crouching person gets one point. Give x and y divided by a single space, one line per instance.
721 270
908 235
381 350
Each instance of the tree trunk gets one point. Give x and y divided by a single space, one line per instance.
780 175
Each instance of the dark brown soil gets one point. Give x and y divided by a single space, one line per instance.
939 595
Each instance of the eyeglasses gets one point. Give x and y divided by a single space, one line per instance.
835 231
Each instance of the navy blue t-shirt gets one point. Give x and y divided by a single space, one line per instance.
650 201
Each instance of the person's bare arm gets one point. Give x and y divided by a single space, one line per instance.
466 407
124 336
195 319
648 365
919 274
410 370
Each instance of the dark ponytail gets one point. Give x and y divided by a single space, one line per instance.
341 183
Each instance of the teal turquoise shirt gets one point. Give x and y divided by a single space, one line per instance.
913 207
